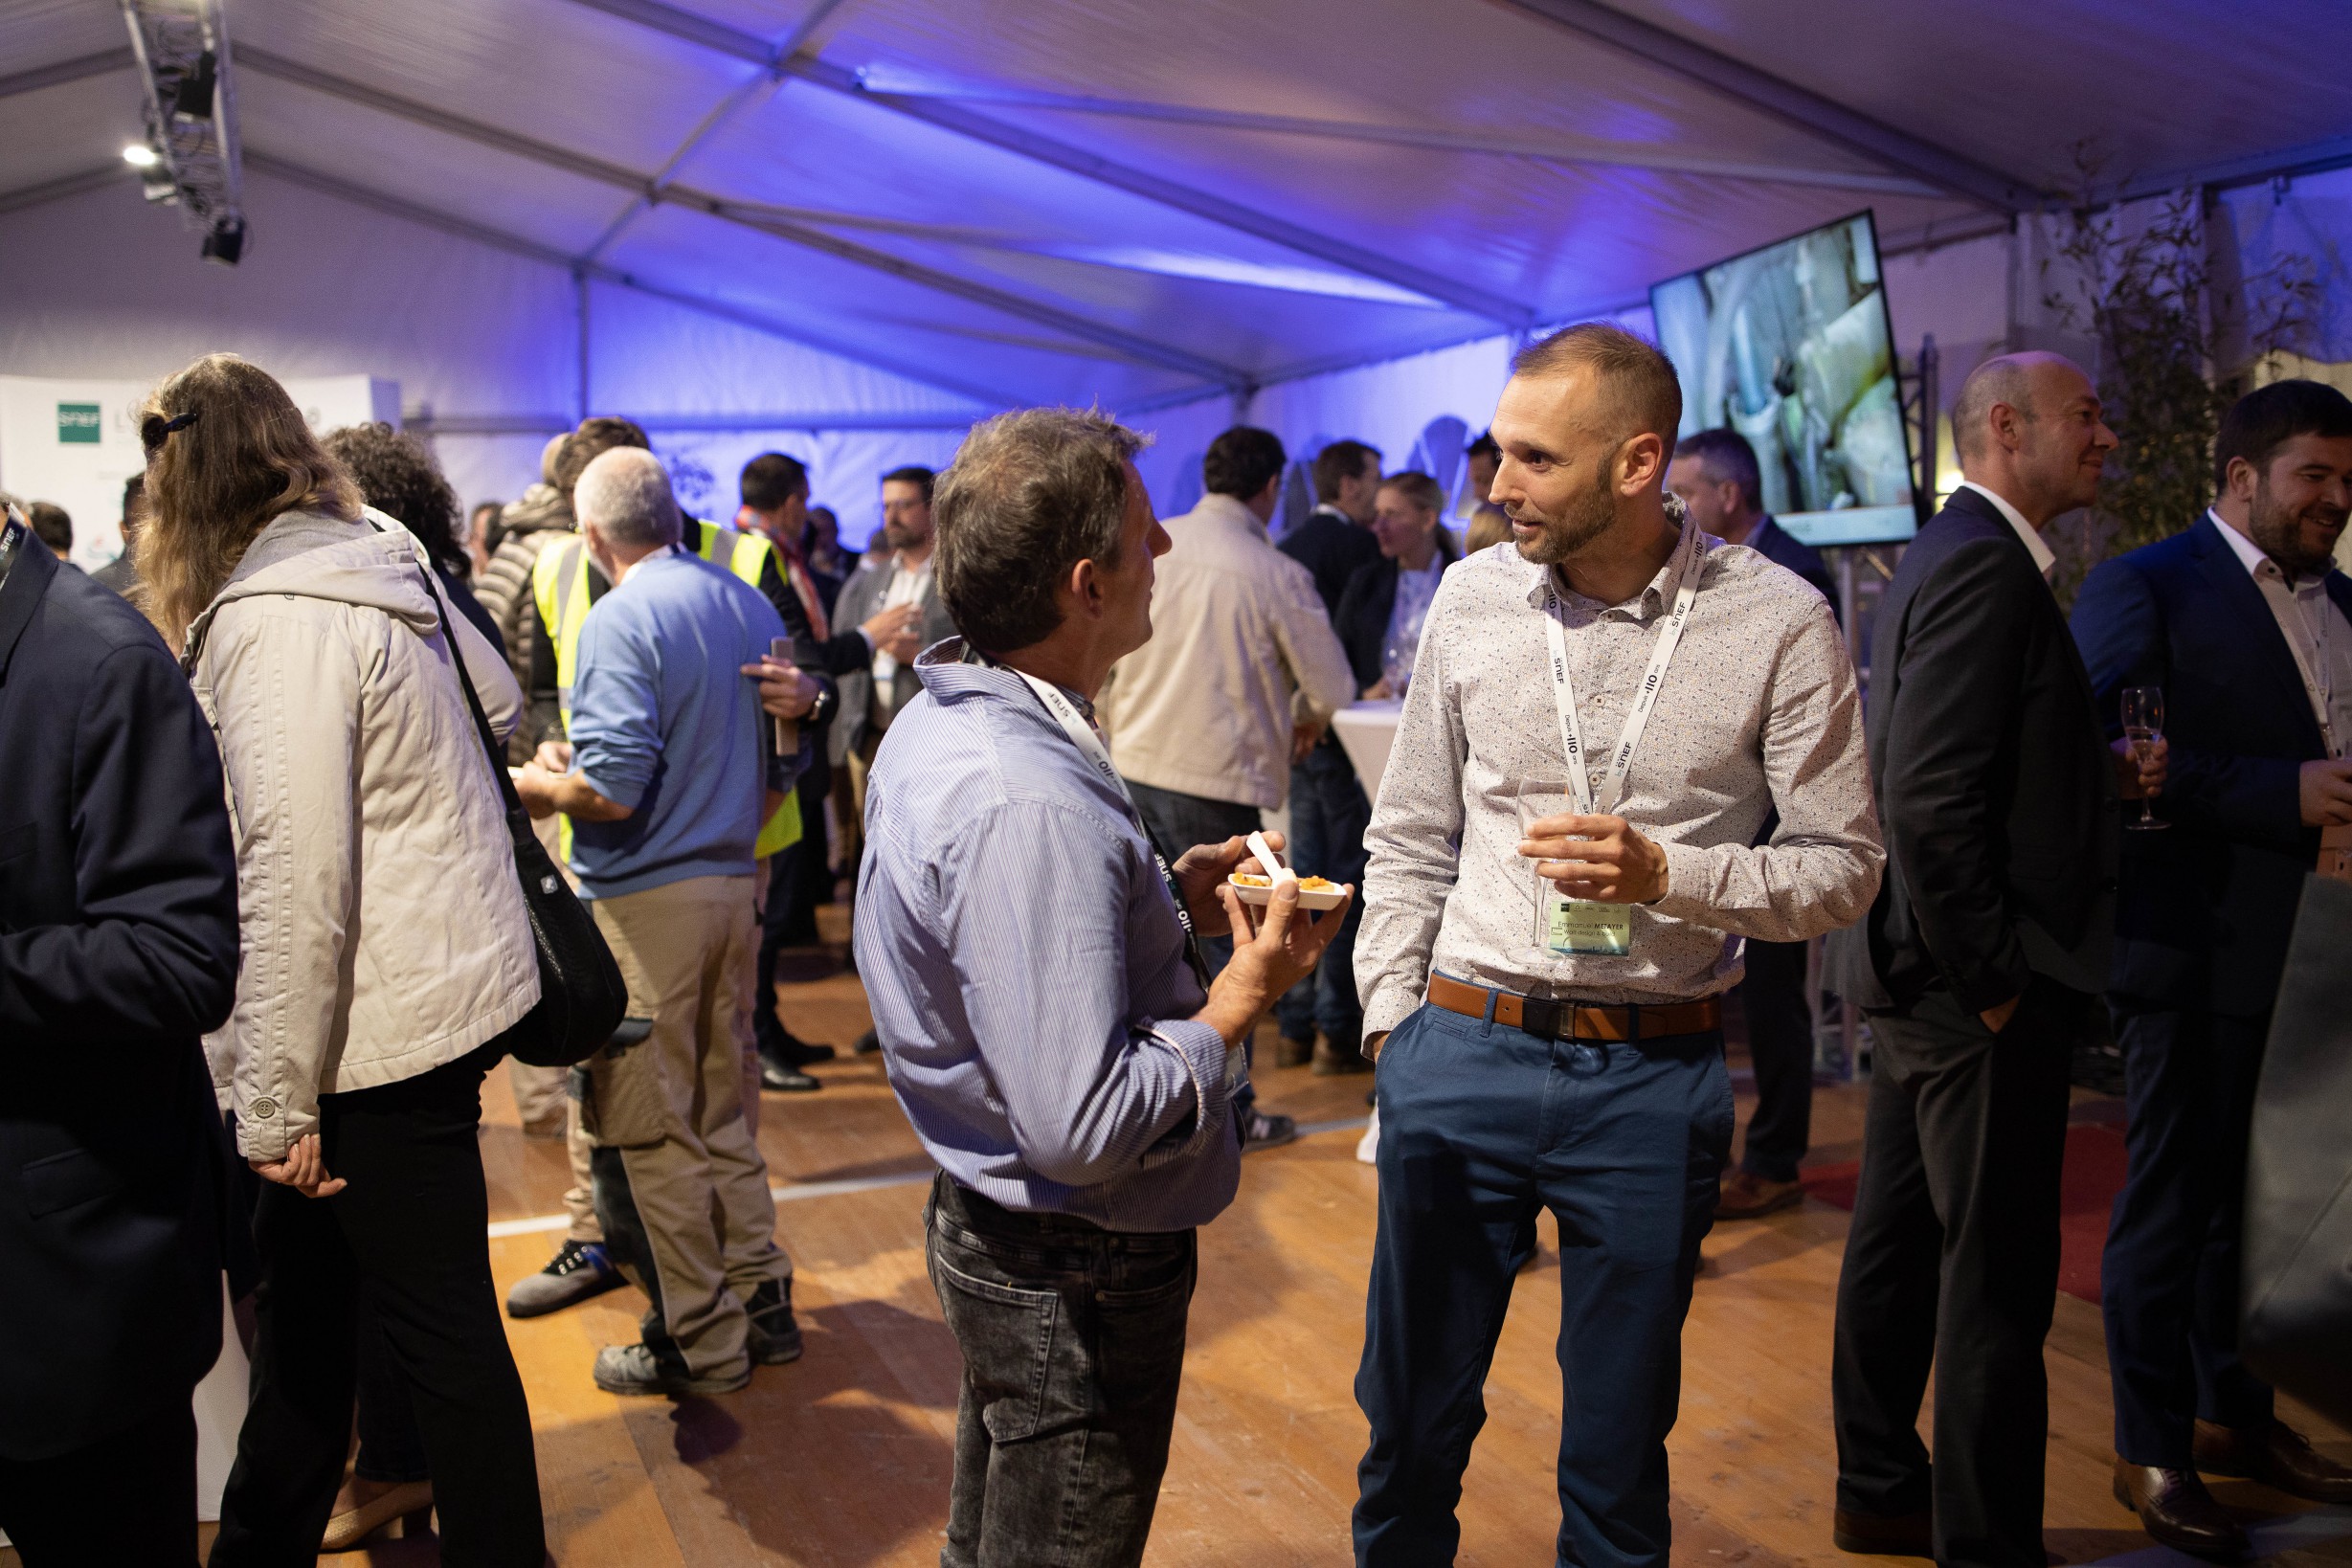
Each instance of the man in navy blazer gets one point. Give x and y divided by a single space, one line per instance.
1716 473
118 951
2246 626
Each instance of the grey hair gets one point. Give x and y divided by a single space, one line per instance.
626 496
1029 496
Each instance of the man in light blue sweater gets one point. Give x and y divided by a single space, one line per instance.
668 774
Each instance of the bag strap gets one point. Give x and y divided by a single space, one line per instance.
490 747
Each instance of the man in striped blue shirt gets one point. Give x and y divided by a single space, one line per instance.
1031 958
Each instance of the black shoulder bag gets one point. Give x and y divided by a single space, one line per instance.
582 996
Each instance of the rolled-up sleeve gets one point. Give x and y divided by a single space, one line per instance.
1036 902
1823 864
1415 838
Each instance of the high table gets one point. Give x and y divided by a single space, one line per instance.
1366 731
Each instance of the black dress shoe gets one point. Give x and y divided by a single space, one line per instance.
2276 1455
2176 1510
786 1080
868 1043
1883 1534
778 1044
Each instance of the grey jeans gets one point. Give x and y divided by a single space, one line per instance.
1073 1346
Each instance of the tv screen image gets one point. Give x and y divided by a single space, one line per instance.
1791 346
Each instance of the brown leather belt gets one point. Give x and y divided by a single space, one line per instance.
1577 1021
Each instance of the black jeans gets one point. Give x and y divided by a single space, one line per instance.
1780 1046
1329 815
2168 1281
409 1237
129 1498
1073 1346
1953 1259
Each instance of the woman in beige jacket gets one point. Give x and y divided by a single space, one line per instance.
385 951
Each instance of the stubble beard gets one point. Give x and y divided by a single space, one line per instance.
1588 517
2278 534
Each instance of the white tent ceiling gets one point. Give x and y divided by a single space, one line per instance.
1141 202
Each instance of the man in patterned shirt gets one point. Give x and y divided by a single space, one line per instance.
1553 983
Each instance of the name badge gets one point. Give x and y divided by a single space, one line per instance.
1583 926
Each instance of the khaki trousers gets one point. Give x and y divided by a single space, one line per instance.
544 1093
681 1186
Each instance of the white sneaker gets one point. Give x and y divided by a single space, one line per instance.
1368 1147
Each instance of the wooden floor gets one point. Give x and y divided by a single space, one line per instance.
842 1459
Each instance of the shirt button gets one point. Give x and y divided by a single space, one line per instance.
264 1108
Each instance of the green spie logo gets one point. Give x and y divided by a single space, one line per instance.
77 424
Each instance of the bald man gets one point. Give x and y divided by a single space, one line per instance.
1977 965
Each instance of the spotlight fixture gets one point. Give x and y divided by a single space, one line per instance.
188 100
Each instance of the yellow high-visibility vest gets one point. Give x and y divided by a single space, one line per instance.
559 586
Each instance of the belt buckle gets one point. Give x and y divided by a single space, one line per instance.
1541 1016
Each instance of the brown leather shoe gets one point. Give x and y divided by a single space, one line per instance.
1335 1061
1883 1534
2176 1510
2277 1456
1747 1195
1293 1053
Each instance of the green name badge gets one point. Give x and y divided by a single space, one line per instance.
77 424
1575 925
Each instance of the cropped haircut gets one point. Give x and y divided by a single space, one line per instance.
771 480
2001 379
1241 463
1726 455
1029 496
1339 461
627 496
916 475
245 455
1419 488
2267 417
397 476
595 437
51 525
1637 383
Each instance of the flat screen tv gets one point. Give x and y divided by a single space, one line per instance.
1791 346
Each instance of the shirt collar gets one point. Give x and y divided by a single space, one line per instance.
2257 561
2027 534
1652 596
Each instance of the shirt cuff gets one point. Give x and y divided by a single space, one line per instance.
618 790
1690 880
1391 1004
1202 1051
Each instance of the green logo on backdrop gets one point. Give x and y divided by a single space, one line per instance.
77 424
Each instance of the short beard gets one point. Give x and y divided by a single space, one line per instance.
1588 517
2274 532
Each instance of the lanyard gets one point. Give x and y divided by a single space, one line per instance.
12 537
1089 746
1683 587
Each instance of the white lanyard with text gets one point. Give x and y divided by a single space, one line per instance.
1089 746
1580 926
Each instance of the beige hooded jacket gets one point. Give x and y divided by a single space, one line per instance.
381 922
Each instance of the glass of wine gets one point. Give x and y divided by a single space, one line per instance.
2143 726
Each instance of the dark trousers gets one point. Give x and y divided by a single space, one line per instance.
1482 1125
1781 1047
129 1498
799 879
409 1238
1953 1259
1073 1345
1177 823
2169 1278
1329 815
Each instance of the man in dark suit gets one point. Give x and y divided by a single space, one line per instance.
1976 965
118 951
2237 620
1329 811
1716 474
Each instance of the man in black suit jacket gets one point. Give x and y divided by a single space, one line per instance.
2232 619
1334 541
1714 472
118 951
1976 965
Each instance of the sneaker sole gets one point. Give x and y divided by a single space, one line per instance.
772 1354
613 1282
678 1387
1265 1144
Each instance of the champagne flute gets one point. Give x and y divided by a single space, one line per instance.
1540 798
2143 725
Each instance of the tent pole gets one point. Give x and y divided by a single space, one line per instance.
579 300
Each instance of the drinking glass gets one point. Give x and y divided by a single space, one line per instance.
1539 799
1397 661
2143 725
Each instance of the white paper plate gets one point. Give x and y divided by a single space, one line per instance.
1308 899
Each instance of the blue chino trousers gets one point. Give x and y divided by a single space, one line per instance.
1480 1125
